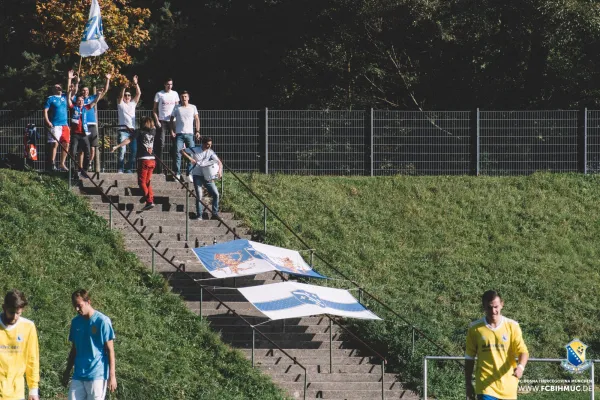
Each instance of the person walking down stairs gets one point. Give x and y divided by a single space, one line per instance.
204 159
147 162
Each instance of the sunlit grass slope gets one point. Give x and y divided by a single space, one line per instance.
52 244
430 246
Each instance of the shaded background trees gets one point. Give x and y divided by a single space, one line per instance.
407 54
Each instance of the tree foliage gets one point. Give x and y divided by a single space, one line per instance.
401 54
62 24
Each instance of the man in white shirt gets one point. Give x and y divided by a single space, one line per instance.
184 124
126 109
164 103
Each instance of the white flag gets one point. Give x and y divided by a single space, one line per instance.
293 300
92 43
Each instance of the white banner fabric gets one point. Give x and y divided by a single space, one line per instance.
293 300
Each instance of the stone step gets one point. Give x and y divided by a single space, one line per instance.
297 382
156 218
297 392
134 193
306 354
229 320
391 381
322 360
286 344
287 366
178 231
133 240
276 328
161 206
281 337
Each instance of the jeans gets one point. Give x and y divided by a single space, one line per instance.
180 140
159 141
199 181
144 177
132 152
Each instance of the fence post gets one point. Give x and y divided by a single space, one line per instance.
474 133
582 142
101 148
368 143
263 141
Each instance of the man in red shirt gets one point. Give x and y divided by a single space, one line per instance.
80 132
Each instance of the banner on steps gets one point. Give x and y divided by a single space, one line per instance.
293 300
244 257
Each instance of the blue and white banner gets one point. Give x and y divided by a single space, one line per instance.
92 43
244 257
293 300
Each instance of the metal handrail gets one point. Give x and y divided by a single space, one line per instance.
203 287
383 359
328 264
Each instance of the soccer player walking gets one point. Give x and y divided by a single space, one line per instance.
92 352
495 341
19 351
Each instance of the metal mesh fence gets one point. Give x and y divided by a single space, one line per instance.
316 142
421 143
235 136
336 142
593 141
523 142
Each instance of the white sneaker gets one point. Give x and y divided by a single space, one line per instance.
190 178
178 176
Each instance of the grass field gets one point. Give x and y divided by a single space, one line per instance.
52 244
430 246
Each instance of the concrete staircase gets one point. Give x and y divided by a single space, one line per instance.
354 373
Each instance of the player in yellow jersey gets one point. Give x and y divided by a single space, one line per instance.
496 341
19 354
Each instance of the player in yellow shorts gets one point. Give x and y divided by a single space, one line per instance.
496 341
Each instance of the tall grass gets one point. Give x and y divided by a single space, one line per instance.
430 246
51 243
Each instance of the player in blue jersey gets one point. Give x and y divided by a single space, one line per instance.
92 352
92 122
57 121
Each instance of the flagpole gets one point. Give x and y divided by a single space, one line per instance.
79 69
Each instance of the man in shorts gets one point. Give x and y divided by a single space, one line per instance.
92 352
164 103
19 351
90 116
495 341
56 119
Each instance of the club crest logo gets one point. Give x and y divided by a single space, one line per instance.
576 362
19 338
94 330
308 298
505 338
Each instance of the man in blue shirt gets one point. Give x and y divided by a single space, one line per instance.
90 116
56 119
92 352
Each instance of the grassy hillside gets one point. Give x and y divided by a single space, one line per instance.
430 246
52 244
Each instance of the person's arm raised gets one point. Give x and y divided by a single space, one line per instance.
138 91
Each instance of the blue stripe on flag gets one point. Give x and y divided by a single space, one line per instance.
291 302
